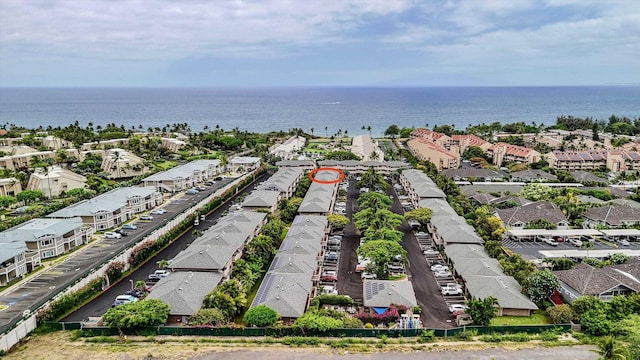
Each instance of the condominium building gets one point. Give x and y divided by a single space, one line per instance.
55 180
437 154
501 152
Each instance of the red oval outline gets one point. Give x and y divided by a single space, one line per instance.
339 179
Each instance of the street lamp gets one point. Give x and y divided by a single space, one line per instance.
131 281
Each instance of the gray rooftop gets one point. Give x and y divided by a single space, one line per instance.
382 293
35 229
505 189
287 285
504 288
213 250
185 291
616 215
10 248
184 171
533 175
129 192
451 227
319 196
90 207
422 184
282 179
531 212
294 163
261 198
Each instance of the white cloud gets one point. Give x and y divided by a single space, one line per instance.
172 29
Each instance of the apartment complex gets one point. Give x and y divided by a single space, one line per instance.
614 160
10 187
426 150
184 176
501 152
54 181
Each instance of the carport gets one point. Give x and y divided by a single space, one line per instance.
533 234
575 254
617 234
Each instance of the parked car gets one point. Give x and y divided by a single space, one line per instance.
442 274
588 238
158 211
575 242
137 293
329 276
162 273
121 232
333 248
333 242
457 307
201 188
395 267
451 289
328 289
558 238
430 252
124 299
192 192
146 217
112 235
439 267
331 256
549 241
623 242
130 226
154 278
368 276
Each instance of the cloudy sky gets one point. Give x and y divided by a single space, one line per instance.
319 42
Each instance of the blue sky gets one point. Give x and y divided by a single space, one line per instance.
319 42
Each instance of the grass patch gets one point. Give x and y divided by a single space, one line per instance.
161 166
397 277
539 317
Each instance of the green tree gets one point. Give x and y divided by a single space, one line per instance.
538 191
261 316
212 316
392 131
482 310
340 155
140 314
337 221
381 253
374 200
373 180
29 196
421 215
6 201
540 285
315 320
609 348
474 152
230 297
290 210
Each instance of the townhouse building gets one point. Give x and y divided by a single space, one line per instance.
501 152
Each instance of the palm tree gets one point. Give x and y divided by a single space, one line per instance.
162 264
587 245
326 131
611 349
369 129
312 130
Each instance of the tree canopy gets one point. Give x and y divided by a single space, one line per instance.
261 316
482 310
421 215
382 252
139 314
540 285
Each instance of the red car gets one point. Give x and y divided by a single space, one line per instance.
329 276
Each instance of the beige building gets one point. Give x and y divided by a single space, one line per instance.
120 163
365 148
431 136
501 152
429 151
55 180
10 187
577 160
21 157
462 142
184 176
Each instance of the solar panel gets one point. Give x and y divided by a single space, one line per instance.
264 289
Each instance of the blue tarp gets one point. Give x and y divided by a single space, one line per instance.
380 310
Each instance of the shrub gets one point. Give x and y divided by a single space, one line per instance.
211 316
114 270
467 335
426 336
548 336
561 314
261 316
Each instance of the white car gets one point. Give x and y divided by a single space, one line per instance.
146 217
430 252
457 307
439 267
575 242
368 276
112 235
158 211
442 274
549 241
624 242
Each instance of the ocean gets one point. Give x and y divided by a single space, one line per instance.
325 109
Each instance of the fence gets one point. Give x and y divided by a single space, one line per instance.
291 331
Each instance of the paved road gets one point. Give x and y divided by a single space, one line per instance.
349 281
530 249
98 306
435 313
38 289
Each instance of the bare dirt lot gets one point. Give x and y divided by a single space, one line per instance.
59 346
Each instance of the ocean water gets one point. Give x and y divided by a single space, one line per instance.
325 109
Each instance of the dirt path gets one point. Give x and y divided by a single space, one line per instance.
58 346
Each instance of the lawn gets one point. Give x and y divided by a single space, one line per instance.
538 318
165 165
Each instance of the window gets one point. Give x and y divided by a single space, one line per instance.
46 242
47 254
